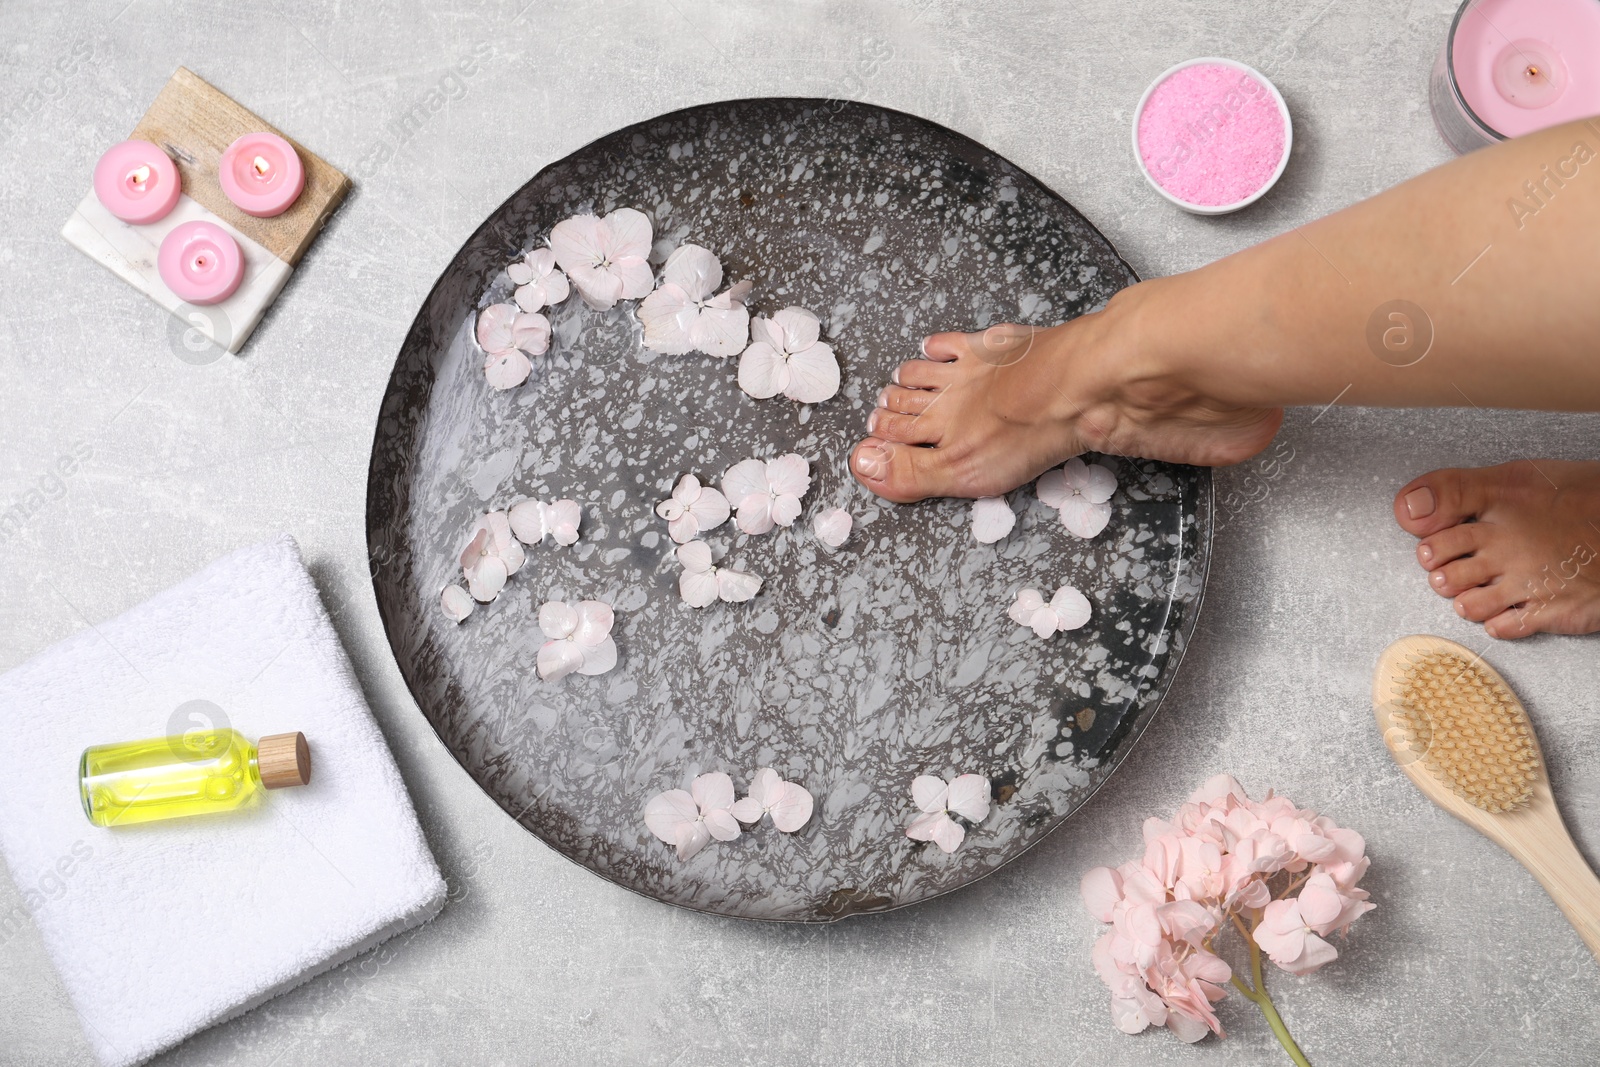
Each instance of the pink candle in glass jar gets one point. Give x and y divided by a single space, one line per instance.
1524 65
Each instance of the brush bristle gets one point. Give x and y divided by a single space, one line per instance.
1469 729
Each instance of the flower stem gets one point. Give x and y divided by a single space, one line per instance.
1262 1000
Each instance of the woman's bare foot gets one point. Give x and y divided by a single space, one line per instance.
1517 547
983 413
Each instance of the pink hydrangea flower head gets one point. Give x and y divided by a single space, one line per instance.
1067 609
1080 492
788 804
687 314
766 494
579 639
692 509
605 258
508 336
966 796
702 584
688 819
491 556
785 356
540 284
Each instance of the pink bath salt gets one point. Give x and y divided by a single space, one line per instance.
1211 135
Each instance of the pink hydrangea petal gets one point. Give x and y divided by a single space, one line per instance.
562 518
800 328
487 578
634 277
1098 483
1185 1027
697 588
1102 890
832 526
694 557
1071 607
691 838
665 812
557 659
476 548
557 620
764 331
765 787
629 234
923 826
1320 903
722 824
744 479
595 619
968 797
992 519
580 241
711 791
785 509
494 328
694 269
929 792
948 834
1052 488
789 475
736 587
1045 622
813 375
661 315
763 372
598 658
747 810
527 521
687 491
1022 609
710 509
683 529
531 333
502 541
506 370
719 332
456 602
520 272
600 289
793 808
755 514
1084 519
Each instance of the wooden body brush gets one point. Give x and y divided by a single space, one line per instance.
1459 732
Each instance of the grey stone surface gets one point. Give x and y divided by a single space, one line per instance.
537 961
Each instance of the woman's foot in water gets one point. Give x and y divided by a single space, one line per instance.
1515 547
980 414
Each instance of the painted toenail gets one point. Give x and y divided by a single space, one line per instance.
1425 553
1437 578
883 399
870 461
1420 502
924 348
895 377
872 420
1461 609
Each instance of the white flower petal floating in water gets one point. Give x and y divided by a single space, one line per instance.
579 639
692 509
832 527
966 796
539 283
1081 493
766 494
534 520
992 519
1068 609
684 316
491 556
456 603
605 258
785 357
689 818
789 804
702 584
508 336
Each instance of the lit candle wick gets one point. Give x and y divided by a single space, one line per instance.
138 177
262 167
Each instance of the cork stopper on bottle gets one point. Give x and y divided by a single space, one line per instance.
284 760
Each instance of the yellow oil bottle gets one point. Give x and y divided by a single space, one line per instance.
196 773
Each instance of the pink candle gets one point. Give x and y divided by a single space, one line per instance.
137 182
201 263
1524 65
261 174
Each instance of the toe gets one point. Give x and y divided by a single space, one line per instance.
899 472
908 429
1484 602
906 401
1444 498
1451 544
1456 578
1512 623
924 374
945 347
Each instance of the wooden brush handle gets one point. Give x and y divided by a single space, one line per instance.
1547 850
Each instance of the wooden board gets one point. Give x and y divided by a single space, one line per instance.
195 122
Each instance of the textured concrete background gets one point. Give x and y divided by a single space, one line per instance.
538 962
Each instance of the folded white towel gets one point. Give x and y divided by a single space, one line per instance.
162 929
